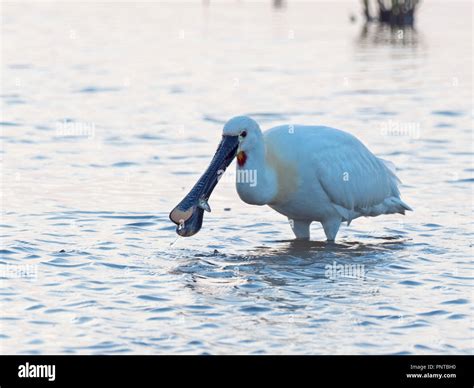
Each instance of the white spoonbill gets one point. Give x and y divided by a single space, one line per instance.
307 173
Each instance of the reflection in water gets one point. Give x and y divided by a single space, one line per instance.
322 249
291 262
383 34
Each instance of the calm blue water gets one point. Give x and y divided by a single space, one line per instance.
111 112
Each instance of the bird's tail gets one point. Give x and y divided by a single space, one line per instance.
396 205
404 206
390 205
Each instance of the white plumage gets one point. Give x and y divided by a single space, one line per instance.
313 173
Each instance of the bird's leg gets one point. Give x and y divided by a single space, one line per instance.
300 228
331 227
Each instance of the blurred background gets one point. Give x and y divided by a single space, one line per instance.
109 113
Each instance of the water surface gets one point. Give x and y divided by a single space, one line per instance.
111 111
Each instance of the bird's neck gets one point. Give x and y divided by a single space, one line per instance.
255 180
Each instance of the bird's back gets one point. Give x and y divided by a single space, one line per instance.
354 180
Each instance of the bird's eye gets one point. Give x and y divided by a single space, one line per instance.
243 133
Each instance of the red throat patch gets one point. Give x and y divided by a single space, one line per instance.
241 158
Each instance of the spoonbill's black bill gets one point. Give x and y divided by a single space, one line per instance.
307 173
188 214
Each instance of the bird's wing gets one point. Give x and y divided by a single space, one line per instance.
353 178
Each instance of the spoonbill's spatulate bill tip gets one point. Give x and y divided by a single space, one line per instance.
307 173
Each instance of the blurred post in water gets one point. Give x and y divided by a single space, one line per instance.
392 12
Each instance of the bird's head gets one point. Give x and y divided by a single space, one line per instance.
239 136
248 132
